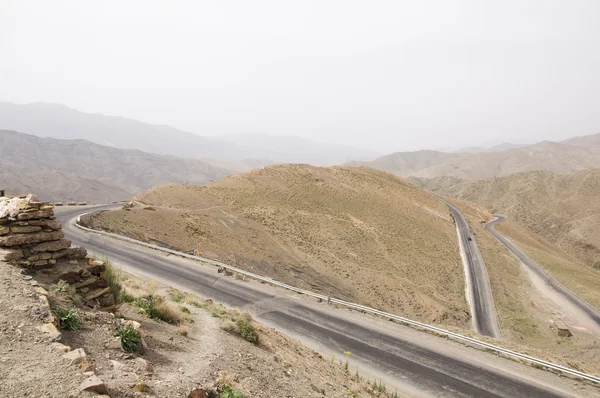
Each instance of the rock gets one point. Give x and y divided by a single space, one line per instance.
116 365
95 384
76 356
25 230
114 344
39 263
59 254
106 301
142 365
31 198
69 277
85 282
129 322
40 256
90 367
88 373
11 254
96 293
50 330
61 348
198 393
563 329
96 269
56 245
77 253
85 273
26 239
40 290
97 262
43 212
4 230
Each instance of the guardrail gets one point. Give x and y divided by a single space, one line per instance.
513 354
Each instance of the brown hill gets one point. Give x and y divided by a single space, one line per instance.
563 208
354 233
81 170
570 156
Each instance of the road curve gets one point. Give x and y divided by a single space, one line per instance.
592 313
418 364
479 292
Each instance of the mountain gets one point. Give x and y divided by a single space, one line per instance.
562 208
97 172
59 121
407 163
574 155
494 148
356 233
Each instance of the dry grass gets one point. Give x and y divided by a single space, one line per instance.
353 233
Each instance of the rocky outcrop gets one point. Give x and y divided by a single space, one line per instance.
31 237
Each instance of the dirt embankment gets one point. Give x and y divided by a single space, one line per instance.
353 233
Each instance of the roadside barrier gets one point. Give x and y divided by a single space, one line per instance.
513 354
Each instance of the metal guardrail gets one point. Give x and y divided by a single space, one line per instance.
548 365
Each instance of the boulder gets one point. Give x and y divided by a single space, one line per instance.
40 256
562 329
59 254
56 245
76 356
96 269
95 384
25 239
106 300
70 277
76 253
50 330
85 282
199 393
43 212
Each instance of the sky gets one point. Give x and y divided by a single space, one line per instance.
382 75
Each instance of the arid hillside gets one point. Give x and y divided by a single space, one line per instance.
80 170
354 233
562 208
573 155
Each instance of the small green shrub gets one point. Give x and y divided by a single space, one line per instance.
184 309
125 297
182 332
229 392
247 329
131 341
67 318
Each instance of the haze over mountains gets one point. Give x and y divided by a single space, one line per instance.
569 156
62 122
79 170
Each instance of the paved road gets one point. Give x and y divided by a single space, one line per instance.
417 363
592 313
479 292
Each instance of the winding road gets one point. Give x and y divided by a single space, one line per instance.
416 363
479 292
564 297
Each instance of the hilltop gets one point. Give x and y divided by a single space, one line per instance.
353 233
83 171
573 155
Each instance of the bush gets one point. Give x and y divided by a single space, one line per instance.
67 318
246 329
156 308
125 297
229 392
65 289
131 341
111 274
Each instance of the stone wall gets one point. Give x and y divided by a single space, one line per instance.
32 238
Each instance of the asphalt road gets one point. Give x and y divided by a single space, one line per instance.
479 292
592 313
417 363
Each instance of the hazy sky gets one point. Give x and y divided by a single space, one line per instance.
385 75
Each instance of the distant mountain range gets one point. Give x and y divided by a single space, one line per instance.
59 121
60 170
572 155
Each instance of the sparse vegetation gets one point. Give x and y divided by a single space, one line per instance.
131 341
125 297
67 318
156 307
247 329
111 274
184 309
183 332
176 295
229 392
63 288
